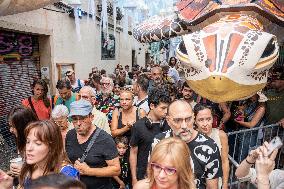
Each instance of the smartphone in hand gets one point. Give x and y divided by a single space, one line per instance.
275 143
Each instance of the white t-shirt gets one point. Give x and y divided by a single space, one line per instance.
76 84
144 105
173 73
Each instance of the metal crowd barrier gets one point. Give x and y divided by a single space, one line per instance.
242 141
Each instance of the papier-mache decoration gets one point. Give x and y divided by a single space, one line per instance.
8 7
227 47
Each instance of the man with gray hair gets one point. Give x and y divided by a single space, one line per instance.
156 78
100 119
106 101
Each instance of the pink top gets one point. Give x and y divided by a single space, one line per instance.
42 111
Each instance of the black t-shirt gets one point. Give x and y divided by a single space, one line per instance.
142 137
103 149
124 172
205 157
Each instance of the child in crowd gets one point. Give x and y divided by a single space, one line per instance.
123 180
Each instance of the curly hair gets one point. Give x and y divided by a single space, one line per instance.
159 95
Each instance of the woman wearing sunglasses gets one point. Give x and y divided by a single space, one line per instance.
169 167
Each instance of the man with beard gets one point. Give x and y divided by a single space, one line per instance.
66 95
156 78
144 130
187 94
100 120
91 150
205 156
106 101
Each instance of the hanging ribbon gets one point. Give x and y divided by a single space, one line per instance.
114 17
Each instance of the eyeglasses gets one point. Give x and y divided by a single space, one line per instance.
179 121
158 168
79 119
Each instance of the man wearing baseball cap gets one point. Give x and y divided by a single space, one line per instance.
101 162
77 84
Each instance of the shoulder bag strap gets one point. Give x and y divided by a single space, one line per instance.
32 106
140 103
91 143
137 113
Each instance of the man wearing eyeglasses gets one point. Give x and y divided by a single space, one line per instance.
205 156
101 162
100 120
106 100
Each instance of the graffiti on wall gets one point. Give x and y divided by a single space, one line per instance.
19 66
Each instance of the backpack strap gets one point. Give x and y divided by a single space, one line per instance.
54 100
32 106
141 102
137 113
79 83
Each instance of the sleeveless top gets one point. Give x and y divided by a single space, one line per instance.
216 137
120 125
250 112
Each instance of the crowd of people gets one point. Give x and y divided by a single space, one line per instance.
143 128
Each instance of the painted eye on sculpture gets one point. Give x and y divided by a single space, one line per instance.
182 48
182 53
270 48
269 55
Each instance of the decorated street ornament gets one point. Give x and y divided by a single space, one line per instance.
225 50
8 7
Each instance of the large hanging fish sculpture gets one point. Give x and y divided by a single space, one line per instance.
8 7
228 46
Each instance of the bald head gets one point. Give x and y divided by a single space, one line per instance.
179 105
181 118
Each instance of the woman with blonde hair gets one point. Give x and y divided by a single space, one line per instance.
169 167
124 117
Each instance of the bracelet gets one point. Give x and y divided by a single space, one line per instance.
249 162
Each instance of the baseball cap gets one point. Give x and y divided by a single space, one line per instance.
81 108
69 72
